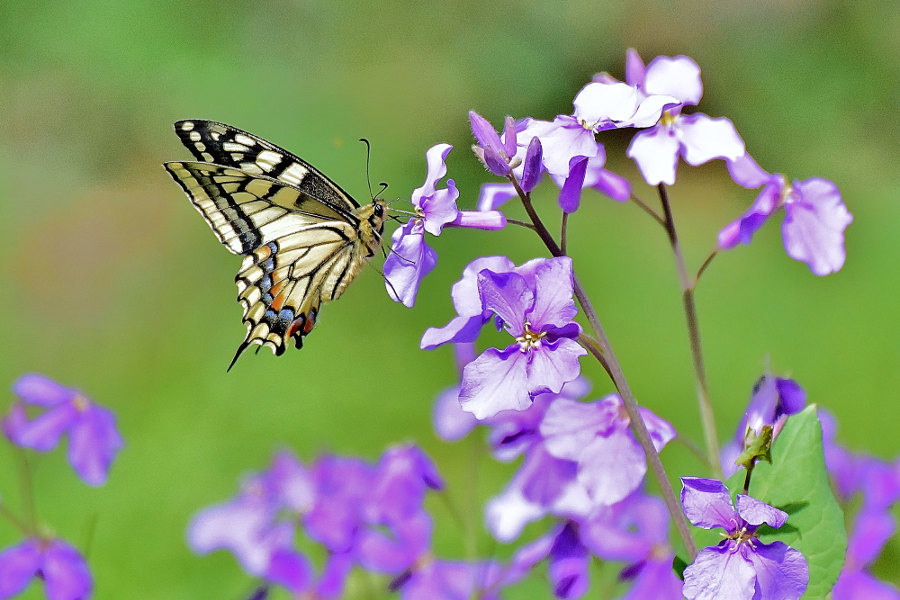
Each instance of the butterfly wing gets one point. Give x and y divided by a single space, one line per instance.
229 146
298 251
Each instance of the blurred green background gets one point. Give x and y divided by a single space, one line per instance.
112 283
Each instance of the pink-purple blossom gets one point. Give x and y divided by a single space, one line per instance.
772 401
741 566
697 138
94 440
535 304
814 222
411 259
61 567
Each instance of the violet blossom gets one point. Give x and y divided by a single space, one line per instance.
535 304
740 566
61 567
772 401
94 439
697 138
411 259
635 531
815 216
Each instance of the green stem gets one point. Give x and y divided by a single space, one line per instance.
600 347
690 313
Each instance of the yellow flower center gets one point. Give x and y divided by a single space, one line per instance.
667 119
529 339
81 403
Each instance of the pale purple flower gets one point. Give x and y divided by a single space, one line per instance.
572 157
535 303
772 401
697 138
815 216
871 531
62 568
434 579
255 525
94 439
635 531
740 566
411 259
598 438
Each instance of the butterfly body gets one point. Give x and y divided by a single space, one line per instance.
304 239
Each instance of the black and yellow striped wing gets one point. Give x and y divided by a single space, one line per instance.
303 238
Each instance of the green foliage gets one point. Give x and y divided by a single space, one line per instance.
797 482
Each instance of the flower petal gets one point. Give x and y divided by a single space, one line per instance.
554 288
704 138
94 442
507 296
656 153
757 512
44 431
37 389
437 168
410 260
781 571
493 195
553 365
678 77
813 228
532 168
706 503
66 574
612 467
495 381
719 573
570 194
18 565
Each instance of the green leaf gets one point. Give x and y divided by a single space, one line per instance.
797 482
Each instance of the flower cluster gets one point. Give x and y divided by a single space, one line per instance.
740 566
534 304
357 514
94 442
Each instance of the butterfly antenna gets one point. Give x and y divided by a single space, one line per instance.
383 185
401 257
368 153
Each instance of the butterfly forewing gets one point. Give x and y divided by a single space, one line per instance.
304 239
222 144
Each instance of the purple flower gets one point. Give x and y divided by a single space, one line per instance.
598 438
697 138
62 568
871 531
740 566
411 259
573 158
436 579
772 401
495 153
635 531
253 525
815 216
535 303
94 440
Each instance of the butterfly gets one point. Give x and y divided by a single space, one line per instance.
303 238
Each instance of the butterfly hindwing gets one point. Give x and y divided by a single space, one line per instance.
304 240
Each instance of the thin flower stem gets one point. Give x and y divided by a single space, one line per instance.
653 461
703 267
27 492
563 231
690 313
520 224
599 346
12 518
647 209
